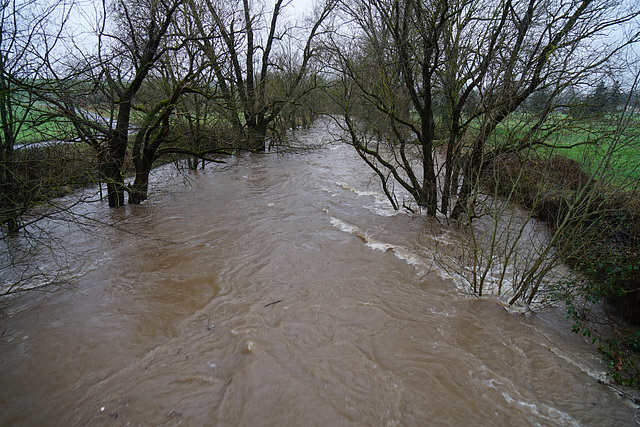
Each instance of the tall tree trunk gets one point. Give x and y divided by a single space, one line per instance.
116 149
429 191
467 194
116 152
448 185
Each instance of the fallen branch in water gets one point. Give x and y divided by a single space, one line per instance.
274 302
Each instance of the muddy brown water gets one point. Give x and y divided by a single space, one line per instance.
283 291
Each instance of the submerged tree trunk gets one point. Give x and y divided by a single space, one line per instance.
115 194
115 183
116 151
256 135
139 190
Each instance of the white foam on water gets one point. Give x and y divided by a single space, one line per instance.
553 415
420 262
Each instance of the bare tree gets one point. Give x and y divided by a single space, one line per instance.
445 76
23 26
243 43
34 165
96 92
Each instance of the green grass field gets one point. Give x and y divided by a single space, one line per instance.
608 148
38 125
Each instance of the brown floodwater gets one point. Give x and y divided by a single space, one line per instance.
282 291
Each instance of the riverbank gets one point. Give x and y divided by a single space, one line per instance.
598 233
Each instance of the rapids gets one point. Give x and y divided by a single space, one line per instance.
282 291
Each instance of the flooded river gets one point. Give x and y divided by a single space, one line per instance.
283 291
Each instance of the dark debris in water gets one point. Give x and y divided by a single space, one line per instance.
274 302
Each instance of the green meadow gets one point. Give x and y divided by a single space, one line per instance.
607 148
